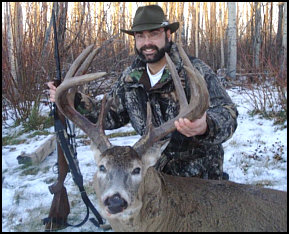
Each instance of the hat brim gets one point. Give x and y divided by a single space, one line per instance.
173 27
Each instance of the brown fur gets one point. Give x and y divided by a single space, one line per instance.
160 202
191 204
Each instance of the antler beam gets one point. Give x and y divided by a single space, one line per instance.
65 93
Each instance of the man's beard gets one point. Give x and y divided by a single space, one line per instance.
158 56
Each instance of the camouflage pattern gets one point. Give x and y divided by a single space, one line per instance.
200 156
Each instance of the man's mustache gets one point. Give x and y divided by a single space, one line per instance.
149 47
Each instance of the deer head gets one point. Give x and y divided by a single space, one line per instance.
121 169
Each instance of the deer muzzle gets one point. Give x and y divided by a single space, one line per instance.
115 204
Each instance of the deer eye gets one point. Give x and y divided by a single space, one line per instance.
136 171
102 168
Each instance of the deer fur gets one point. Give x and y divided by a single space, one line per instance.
160 202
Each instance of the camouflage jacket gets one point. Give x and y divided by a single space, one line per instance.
132 91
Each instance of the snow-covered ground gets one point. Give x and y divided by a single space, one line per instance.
256 154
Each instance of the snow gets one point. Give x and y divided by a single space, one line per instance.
256 154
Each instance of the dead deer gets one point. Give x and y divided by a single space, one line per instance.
133 196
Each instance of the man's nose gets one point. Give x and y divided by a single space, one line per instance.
147 40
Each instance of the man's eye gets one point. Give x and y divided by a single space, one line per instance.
139 36
102 168
154 33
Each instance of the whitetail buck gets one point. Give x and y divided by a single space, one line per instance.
133 196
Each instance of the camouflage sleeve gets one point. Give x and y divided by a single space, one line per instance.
222 113
89 107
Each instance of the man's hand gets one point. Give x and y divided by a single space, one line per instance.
52 90
192 128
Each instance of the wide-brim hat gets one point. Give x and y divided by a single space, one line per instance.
148 18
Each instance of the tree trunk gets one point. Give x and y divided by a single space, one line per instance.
123 24
10 42
284 41
165 8
270 44
172 17
221 35
232 61
131 39
213 35
207 24
279 30
44 51
197 29
257 35
181 31
251 28
18 40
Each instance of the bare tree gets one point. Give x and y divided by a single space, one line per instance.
279 29
257 35
221 35
197 29
207 25
18 40
10 41
213 35
284 40
232 42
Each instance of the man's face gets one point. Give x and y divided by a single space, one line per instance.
152 45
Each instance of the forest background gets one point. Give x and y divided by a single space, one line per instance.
245 44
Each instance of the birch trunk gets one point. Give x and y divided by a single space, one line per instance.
232 50
10 42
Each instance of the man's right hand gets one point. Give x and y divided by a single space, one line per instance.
52 90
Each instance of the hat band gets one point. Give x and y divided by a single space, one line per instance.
162 24
143 26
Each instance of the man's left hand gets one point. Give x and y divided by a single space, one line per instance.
192 128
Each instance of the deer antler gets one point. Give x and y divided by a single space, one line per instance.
198 104
65 93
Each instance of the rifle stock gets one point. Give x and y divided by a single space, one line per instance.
60 209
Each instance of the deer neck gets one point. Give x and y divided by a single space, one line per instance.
153 195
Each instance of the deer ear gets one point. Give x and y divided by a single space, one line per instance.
152 155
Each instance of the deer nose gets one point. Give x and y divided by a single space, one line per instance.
115 203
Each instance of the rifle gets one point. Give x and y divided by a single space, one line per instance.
60 208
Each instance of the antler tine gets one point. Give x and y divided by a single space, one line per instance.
81 62
195 76
178 86
148 138
65 103
80 66
198 104
100 139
